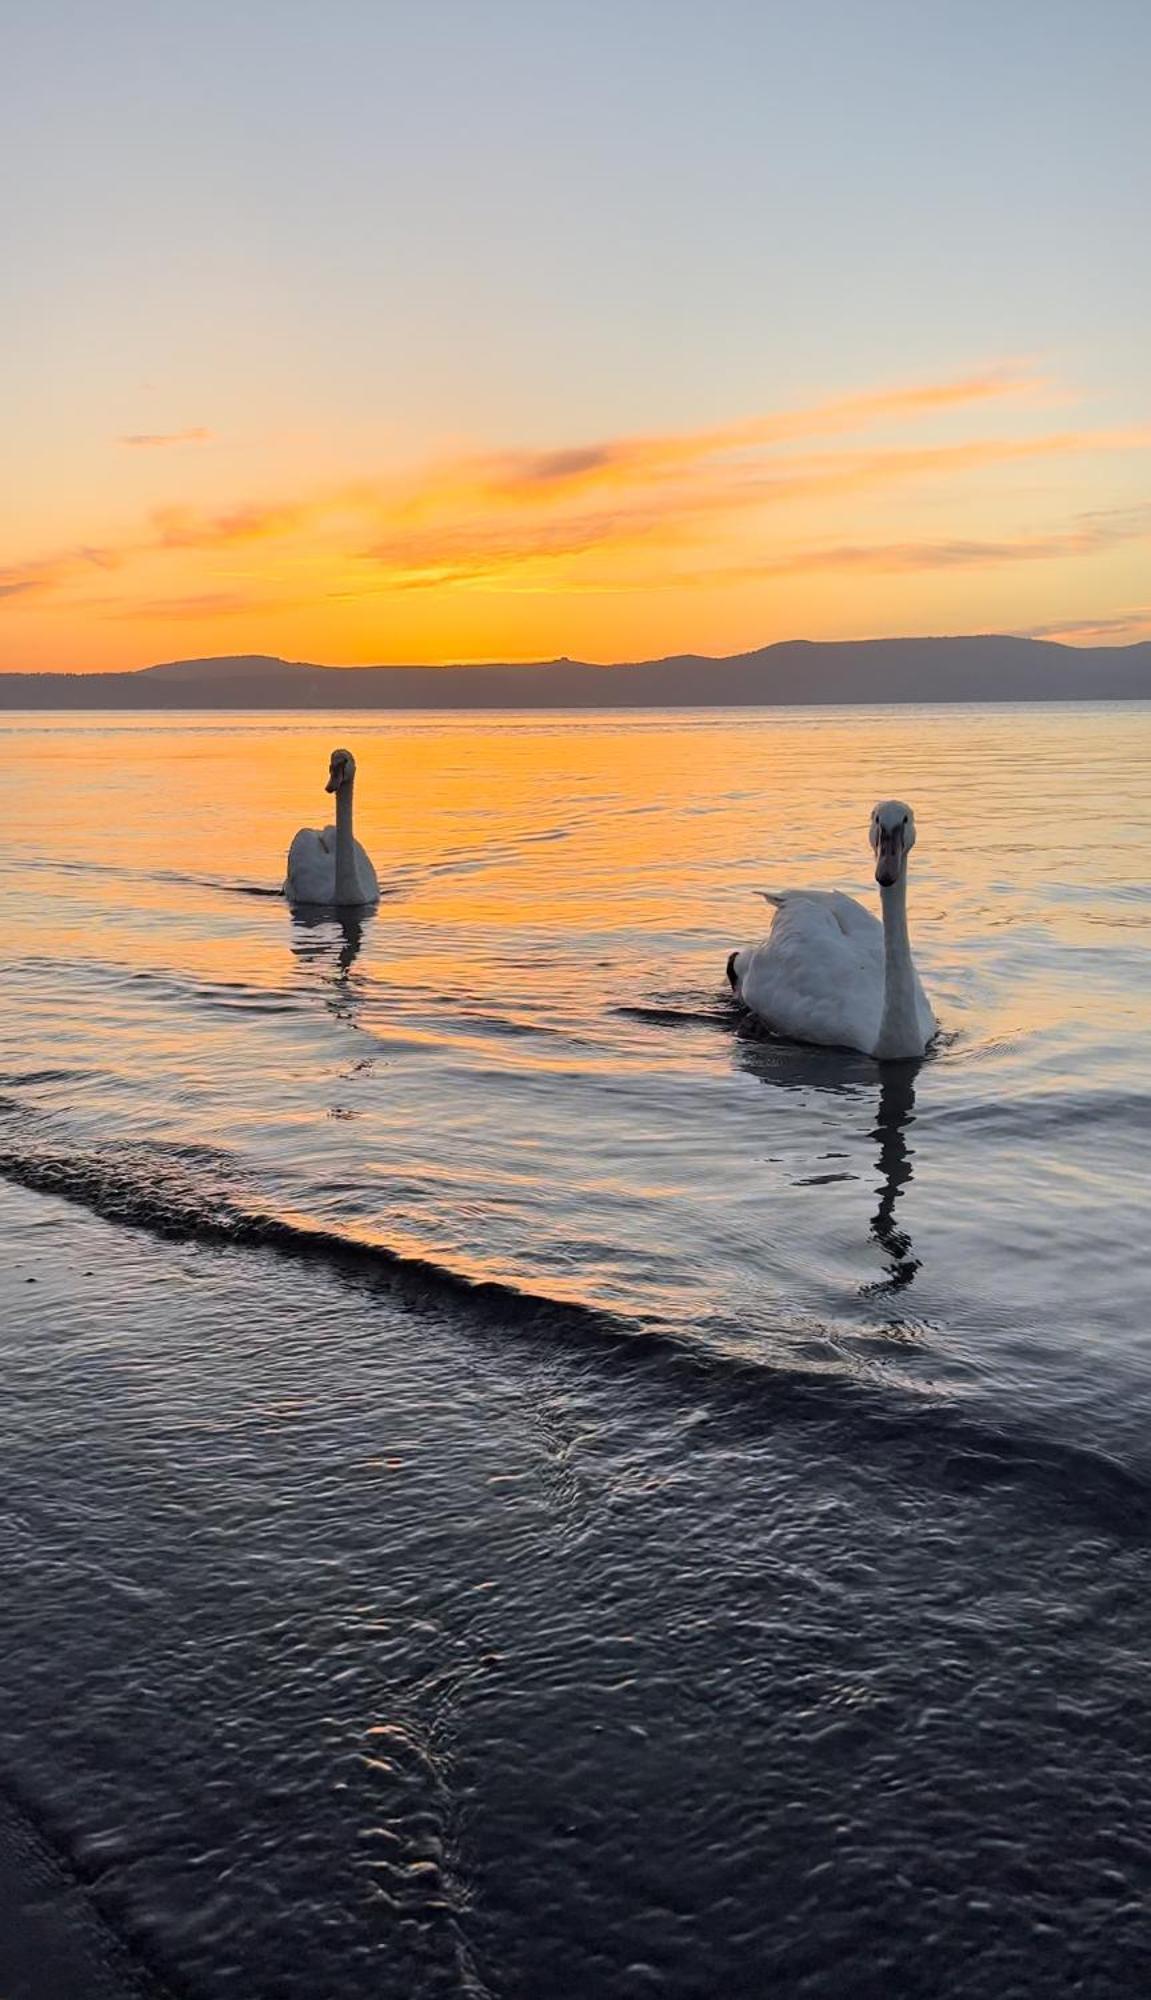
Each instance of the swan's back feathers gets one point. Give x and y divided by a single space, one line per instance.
818 976
311 865
311 876
850 917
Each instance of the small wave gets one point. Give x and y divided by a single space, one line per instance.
236 994
507 1024
167 1202
935 1440
1058 1110
171 877
677 1017
40 864
29 1079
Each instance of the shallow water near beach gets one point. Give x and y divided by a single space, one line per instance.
515 1484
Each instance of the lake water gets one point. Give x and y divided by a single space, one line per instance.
515 1485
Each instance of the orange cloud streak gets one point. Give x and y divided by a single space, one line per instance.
153 440
1134 624
1094 533
520 520
623 461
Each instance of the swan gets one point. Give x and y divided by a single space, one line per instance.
831 972
332 867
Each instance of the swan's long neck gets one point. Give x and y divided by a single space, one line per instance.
899 1030
347 880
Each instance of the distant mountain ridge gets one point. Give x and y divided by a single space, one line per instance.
792 673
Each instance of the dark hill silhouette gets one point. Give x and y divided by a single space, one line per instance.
793 673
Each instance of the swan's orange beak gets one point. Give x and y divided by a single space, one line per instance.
889 853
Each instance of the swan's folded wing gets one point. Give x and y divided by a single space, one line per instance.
311 867
831 906
854 920
818 977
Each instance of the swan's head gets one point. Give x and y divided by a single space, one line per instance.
892 837
341 770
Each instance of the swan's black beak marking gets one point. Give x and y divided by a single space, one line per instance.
889 856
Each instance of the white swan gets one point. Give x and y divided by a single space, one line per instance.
332 867
830 972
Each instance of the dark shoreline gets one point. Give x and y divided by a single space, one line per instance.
54 1942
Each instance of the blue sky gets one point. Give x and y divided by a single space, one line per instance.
340 237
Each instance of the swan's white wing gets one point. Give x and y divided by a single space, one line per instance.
311 876
818 977
853 918
366 875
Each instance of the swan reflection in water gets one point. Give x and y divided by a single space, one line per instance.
896 1112
841 1073
328 943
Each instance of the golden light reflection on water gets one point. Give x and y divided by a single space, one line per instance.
523 1065
589 824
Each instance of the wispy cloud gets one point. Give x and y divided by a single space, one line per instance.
677 508
1086 536
644 458
184 528
688 475
47 573
469 545
1134 624
203 604
153 440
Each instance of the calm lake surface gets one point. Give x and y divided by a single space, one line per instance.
516 1486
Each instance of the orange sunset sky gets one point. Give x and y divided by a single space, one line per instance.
393 332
